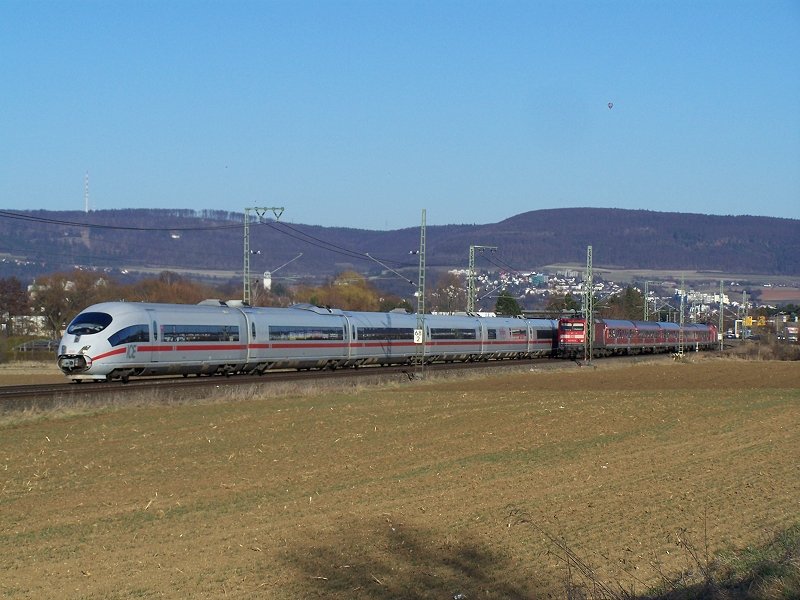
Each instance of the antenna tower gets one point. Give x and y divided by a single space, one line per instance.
86 193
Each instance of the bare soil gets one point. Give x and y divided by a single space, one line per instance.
780 294
421 490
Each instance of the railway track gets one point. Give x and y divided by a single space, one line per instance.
167 389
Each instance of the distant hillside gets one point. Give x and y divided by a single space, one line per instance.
213 240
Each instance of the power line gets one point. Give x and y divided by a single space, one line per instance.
498 262
341 248
280 227
329 246
32 218
318 243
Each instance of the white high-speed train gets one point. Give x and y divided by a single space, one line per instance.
119 340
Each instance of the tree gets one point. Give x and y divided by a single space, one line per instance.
449 294
627 304
507 305
171 288
389 303
13 302
348 290
61 296
560 304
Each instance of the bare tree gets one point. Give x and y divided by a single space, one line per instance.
13 302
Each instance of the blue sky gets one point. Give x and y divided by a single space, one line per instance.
362 113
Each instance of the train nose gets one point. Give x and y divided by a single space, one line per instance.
74 364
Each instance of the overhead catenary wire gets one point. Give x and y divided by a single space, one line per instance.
280 227
329 246
63 223
317 242
498 262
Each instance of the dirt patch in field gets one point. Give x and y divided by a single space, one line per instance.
780 294
422 490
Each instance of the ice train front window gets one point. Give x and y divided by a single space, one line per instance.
89 322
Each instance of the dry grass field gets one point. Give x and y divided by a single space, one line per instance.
30 372
431 489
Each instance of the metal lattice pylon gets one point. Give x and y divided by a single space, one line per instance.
260 212
471 291
421 299
588 306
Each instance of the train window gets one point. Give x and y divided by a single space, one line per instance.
571 326
128 335
155 331
519 333
491 334
385 333
89 322
303 332
446 333
253 330
199 333
545 334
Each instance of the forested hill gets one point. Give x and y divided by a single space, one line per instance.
33 242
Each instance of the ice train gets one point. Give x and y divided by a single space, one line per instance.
119 340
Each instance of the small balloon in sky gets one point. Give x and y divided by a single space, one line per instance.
610 105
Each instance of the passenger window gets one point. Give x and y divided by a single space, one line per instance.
128 335
155 331
253 329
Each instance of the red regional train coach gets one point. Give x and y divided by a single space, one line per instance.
615 336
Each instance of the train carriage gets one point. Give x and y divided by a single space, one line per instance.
120 339
703 337
295 337
623 337
381 338
519 338
453 338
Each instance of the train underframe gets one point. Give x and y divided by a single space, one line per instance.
579 350
76 367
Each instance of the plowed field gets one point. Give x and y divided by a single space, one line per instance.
422 490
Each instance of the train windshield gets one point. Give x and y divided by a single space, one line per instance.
89 322
567 326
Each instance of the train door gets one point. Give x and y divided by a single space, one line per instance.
155 336
349 335
250 327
